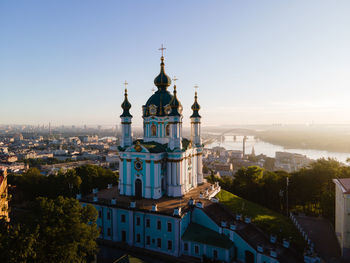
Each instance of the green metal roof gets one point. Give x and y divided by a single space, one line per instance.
201 234
153 147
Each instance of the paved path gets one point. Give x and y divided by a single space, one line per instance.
321 233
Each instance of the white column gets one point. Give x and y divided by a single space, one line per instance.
173 173
178 173
169 173
121 177
181 173
157 190
148 180
200 169
156 174
128 177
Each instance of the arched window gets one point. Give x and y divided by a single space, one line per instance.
153 130
167 130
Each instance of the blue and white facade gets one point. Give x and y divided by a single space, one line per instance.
162 163
162 203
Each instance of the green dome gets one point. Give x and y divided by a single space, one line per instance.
159 99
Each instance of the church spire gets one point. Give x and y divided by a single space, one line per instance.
195 107
175 104
126 104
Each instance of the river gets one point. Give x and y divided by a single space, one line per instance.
269 149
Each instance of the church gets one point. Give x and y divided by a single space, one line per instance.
163 163
162 205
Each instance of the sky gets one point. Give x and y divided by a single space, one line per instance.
255 62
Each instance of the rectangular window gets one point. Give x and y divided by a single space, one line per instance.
196 249
108 215
138 220
159 243
148 222
138 238
159 225
170 245
109 232
148 240
169 227
123 218
186 246
215 254
123 236
99 214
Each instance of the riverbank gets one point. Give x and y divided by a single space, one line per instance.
315 140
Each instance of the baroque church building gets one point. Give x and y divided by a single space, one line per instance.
163 163
162 205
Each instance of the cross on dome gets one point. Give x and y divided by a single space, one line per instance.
125 84
175 79
162 49
196 88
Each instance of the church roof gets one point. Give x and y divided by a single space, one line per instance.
162 81
201 234
195 107
126 105
153 147
175 105
159 104
159 99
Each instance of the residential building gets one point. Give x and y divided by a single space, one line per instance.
342 215
3 194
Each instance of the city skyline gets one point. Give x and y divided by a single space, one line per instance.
254 63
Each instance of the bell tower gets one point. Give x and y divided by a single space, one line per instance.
126 121
196 137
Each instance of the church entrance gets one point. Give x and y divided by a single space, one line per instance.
138 189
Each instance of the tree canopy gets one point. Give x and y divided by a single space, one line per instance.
52 230
310 189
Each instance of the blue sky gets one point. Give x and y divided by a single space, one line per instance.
256 62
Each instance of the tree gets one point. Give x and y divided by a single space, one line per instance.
17 244
67 231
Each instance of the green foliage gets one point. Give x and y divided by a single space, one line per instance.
33 184
53 230
17 244
67 231
37 162
267 220
310 190
95 177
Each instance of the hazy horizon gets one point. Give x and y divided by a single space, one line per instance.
255 63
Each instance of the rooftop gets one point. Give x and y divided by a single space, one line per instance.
201 234
344 184
165 205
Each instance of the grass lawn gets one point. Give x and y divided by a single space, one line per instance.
267 220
